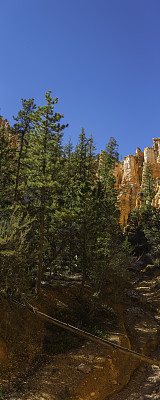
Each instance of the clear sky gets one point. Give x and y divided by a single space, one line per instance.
101 58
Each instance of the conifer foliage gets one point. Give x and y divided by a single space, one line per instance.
59 211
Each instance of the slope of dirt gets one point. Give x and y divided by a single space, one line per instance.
142 324
61 366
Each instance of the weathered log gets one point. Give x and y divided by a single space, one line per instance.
89 336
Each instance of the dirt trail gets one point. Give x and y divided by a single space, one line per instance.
144 331
109 371
93 371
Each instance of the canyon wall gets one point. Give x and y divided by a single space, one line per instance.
5 129
129 174
4 123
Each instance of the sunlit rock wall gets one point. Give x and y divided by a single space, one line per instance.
129 175
4 126
4 123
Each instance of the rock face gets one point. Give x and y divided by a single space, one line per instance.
5 127
129 174
4 123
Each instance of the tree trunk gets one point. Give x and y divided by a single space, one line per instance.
18 169
40 258
84 250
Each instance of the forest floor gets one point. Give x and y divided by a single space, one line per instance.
41 361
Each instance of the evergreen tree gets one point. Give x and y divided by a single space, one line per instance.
148 190
109 253
143 224
85 174
43 157
65 212
22 129
60 221
147 210
15 250
7 167
152 232
111 153
135 234
71 197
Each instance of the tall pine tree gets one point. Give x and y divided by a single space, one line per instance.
43 158
25 121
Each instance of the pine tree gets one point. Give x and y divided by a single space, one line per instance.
143 224
85 174
148 190
15 250
108 251
22 129
7 169
43 157
65 216
107 163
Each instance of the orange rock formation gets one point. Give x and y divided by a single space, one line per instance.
129 175
5 127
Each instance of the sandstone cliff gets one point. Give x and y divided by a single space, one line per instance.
4 123
6 130
129 175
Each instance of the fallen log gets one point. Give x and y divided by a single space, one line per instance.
88 335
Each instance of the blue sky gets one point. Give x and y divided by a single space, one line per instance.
101 58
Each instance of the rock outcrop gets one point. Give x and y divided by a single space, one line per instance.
4 123
129 174
5 129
